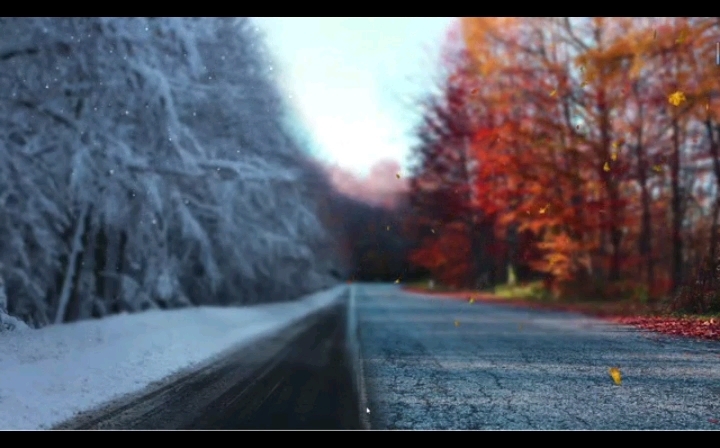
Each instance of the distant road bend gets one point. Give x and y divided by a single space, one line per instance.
300 378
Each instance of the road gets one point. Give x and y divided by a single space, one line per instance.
507 368
298 379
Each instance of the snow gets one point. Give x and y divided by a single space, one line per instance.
50 374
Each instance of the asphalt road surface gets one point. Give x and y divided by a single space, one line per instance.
508 368
297 379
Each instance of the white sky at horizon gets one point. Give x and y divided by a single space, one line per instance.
352 80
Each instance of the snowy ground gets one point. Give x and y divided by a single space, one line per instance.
48 375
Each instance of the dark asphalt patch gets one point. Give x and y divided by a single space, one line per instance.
297 379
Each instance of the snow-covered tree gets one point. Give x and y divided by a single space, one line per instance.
145 163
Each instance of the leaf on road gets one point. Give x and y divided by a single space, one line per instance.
615 375
457 323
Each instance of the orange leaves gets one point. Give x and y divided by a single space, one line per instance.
446 255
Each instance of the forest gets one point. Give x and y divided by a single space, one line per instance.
155 163
583 153
151 163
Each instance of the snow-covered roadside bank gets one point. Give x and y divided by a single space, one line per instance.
49 375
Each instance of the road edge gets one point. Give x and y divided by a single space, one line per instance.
356 361
211 364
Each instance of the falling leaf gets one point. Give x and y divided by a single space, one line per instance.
367 410
583 84
457 323
681 37
397 175
472 300
388 227
615 145
397 281
707 106
544 209
474 91
577 127
553 93
613 156
606 167
654 34
432 230
615 375
657 168
676 98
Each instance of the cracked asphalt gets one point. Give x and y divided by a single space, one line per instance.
508 368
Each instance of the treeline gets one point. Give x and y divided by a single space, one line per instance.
375 240
583 151
148 163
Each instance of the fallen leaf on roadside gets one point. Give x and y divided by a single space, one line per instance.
615 375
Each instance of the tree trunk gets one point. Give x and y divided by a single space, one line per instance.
71 274
677 212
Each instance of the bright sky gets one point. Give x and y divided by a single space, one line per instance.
351 80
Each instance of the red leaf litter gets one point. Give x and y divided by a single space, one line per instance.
675 326
688 327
